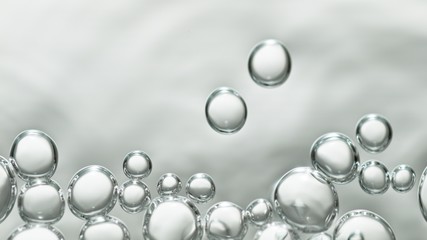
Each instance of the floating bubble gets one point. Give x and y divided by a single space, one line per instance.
374 133
335 155
104 228
276 231
362 225
200 187
320 236
422 194
92 191
134 196
34 155
306 200
260 211
137 165
225 220
41 201
226 110
374 177
269 63
172 218
402 178
169 184
7 189
36 232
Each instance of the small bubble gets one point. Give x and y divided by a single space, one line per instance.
104 228
92 191
374 177
36 232
320 236
362 224
422 194
8 189
374 133
402 178
269 63
225 220
200 187
226 110
306 200
34 155
134 196
137 165
260 211
169 184
335 155
276 231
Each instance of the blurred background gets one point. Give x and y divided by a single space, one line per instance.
103 78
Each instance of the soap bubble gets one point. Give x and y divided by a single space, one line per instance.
36 232
169 184
134 196
137 165
422 194
8 189
225 220
374 133
260 211
200 188
320 236
374 177
276 231
402 178
104 228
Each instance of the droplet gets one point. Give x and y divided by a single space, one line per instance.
225 220
41 201
8 189
374 177
104 228
335 155
269 63
306 200
172 218
320 236
137 165
276 231
422 194
226 110
200 187
92 191
169 184
134 196
374 133
36 232
34 155
260 211
362 224
402 178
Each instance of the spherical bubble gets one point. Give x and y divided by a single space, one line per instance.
41 201
362 224
104 228
402 178
374 133
92 191
137 165
269 63
225 220
36 232
34 155
321 236
306 200
7 189
169 184
172 218
260 211
200 187
335 155
134 196
276 231
422 194
226 110
374 177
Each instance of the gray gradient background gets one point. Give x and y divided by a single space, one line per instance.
103 78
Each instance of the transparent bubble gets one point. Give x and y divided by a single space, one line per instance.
374 133
374 177
41 201
402 178
137 165
276 231
36 232
422 194
104 228
134 196
169 184
92 191
335 155
269 63
306 200
225 220
321 236
362 224
8 189
172 218
226 110
33 155
200 187
260 211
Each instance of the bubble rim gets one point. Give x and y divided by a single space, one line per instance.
104 219
175 190
379 164
200 199
137 176
143 205
393 175
294 235
268 217
420 188
30 226
4 164
376 117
